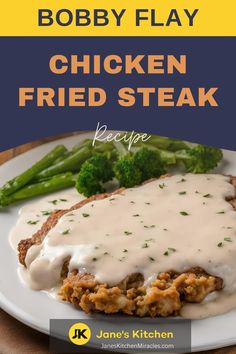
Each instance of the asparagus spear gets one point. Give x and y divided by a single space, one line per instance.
74 149
62 157
106 148
85 142
162 143
53 184
71 163
165 143
21 180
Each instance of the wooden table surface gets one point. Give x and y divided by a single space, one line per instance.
15 337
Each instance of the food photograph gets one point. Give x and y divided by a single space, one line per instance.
147 230
117 177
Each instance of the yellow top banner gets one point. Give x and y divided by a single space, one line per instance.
118 18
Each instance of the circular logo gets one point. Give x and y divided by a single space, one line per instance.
79 333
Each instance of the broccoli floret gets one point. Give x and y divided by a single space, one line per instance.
127 172
200 159
149 163
94 172
133 169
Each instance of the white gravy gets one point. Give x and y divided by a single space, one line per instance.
33 215
175 223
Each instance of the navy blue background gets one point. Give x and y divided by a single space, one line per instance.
210 63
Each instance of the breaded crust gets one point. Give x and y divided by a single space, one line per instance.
163 297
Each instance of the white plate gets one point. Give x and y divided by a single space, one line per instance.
36 308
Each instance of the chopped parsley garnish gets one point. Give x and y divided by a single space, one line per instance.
147 203
127 233
149 240
220 212
220 244
182 193
165 229
105 253
85 215
207 195
94 259
122 259
112 199
182 180
228 239
145 245
170 250
46 212
151 259
32 222
149 227
136 215
162 185
184 213
54 202
132 202
125 250
70 214
63 200
66 232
